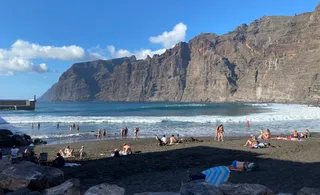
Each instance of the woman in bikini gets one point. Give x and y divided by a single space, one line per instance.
252 141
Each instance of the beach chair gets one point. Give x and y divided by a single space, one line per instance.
43 158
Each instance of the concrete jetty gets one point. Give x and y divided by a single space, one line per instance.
18 104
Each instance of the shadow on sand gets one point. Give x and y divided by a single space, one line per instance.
164 171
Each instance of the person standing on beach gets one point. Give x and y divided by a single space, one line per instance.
126 130
136 131
122 132
104 133
99 134
220 133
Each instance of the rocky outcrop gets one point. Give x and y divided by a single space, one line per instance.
7 138
308 191
27 174
199 187
105 189
245 189
69 187
273 59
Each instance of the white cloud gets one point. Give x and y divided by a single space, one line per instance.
169 39
28 50
140 54
19 57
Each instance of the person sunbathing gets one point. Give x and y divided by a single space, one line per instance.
172 140
160 142
266 135
68 152
252 141
306 134
126 149
295 134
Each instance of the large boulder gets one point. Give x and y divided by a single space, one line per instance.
105 189
20 140
199 187
69 187
27 174
7 138
244 189
158 193
38 141
309 191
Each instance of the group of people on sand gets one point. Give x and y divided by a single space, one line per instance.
254 141
172 140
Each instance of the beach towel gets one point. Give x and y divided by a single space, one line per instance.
217 175
71 165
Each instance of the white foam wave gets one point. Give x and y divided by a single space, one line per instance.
57 136
278 112
258 105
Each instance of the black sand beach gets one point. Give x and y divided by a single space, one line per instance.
286 167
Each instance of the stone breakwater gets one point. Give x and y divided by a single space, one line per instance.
31 179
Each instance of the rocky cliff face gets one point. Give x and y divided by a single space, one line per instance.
274 59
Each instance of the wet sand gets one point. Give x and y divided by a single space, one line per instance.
286 167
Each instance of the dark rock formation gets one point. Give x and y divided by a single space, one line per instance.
274 59
30 175
8 139
105 188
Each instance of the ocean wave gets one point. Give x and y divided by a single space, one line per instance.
278 112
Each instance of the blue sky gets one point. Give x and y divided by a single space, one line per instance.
41 39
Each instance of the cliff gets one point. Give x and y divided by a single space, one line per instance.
274 59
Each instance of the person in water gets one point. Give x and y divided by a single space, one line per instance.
122 132
104 133
126 130
99 134
136 131
58 125
78 128
38 125
32 125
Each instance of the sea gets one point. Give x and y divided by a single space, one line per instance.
157 118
